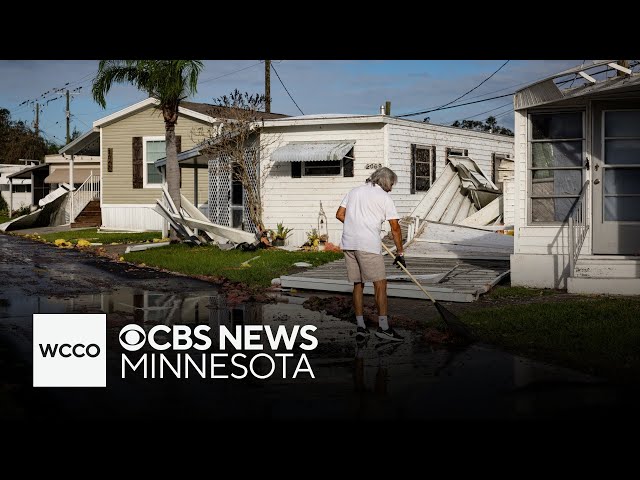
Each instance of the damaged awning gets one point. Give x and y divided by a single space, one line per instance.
61 175
312 151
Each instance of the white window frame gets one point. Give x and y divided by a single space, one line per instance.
145 164
530 168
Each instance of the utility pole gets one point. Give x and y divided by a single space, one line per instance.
267 86
36 124
68 112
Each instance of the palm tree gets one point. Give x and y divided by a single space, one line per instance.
170 81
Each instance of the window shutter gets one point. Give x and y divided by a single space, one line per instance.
493 167
109 159
178 150
413 168
136 156
296 169
433 164
347 167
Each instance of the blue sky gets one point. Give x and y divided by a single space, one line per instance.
317 86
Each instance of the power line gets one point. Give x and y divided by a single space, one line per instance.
285 88
484 113
81 121
230 73
459 105
48 135
503 113
461 96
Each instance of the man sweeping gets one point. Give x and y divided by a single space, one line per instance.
363 211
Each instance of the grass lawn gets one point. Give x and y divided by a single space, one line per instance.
210 260
596 335
4 218
92 235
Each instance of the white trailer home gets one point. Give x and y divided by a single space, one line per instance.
577 179
319 158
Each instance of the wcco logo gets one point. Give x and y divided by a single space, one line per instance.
69 350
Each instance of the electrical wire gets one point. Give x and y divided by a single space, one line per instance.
230 73
484 113
285 88
461 96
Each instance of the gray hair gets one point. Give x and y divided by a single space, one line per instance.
384 177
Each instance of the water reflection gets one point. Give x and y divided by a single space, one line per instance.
369 380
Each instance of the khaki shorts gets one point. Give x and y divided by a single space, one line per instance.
364 266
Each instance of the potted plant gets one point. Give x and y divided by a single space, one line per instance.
313 239
279 235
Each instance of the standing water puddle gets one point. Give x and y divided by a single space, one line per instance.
408 380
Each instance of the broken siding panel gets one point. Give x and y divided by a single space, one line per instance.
296 201
480 148
117 186
464 283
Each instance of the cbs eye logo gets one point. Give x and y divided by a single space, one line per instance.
132 337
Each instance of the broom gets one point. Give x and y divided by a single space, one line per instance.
452 322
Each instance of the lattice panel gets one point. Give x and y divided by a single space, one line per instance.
249 226
219 191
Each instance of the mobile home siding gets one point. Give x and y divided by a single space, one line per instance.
117 186
480 147
296 201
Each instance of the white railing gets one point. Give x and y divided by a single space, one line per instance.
578 226
89 190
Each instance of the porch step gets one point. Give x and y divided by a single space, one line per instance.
90 216
604 285
608 266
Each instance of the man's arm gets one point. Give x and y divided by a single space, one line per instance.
397 235
342 211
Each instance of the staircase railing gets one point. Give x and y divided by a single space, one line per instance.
578 226
88 191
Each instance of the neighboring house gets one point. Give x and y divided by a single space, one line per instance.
21 187
127 143
319 158
35 175
577 178
60 171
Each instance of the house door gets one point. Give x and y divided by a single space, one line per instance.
615 172
236 204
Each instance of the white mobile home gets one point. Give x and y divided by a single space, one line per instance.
577 179
20 187
301 175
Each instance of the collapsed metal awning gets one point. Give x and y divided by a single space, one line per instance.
312 151
61 175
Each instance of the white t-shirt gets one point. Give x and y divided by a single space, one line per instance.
368 207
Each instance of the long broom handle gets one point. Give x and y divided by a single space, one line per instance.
410 276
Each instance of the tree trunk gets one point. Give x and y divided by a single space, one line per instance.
173 170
